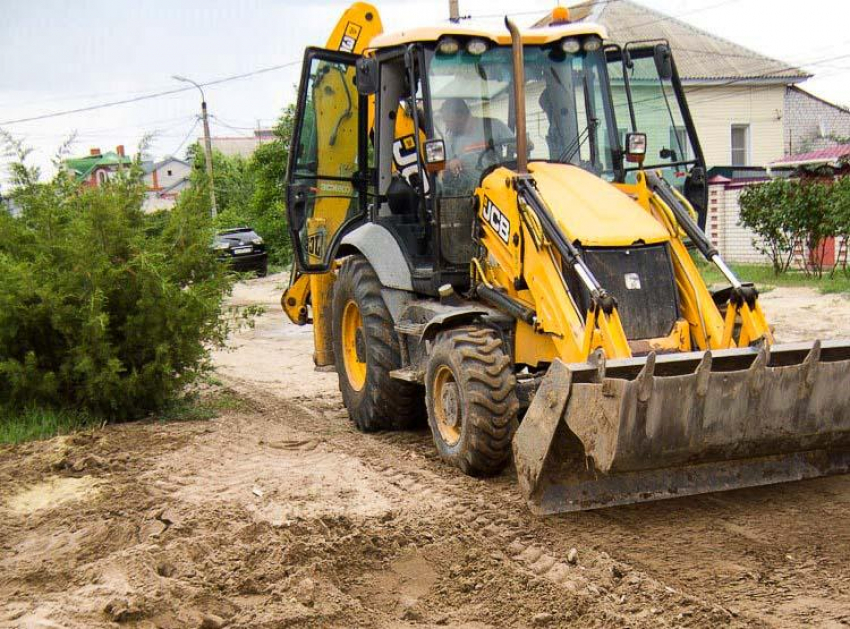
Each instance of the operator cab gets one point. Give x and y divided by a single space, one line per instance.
408 131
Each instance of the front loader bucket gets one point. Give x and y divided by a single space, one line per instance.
634 430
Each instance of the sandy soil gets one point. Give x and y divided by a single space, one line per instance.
281 515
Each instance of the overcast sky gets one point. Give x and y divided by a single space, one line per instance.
58 55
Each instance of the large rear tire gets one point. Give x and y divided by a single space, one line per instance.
471 397
366 349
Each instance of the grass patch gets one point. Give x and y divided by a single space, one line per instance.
41 423
764 278
33 424
196 407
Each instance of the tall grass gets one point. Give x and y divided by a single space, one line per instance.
41 423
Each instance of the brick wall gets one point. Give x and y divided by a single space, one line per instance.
812 124
734 242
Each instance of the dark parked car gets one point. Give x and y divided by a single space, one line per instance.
244 249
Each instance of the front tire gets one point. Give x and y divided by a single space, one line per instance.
366 350
471 397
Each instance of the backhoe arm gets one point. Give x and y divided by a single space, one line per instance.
743 298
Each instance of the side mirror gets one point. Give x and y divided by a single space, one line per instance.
670 154
696 191
367 76
635 147
664 61
435 155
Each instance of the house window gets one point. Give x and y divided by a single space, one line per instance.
101 176
679 144
740 145
169 173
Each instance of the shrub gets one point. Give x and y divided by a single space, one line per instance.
102 308
765 209
791 216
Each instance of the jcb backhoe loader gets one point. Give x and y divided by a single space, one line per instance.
494 229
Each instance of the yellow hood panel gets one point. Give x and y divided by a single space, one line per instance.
591 210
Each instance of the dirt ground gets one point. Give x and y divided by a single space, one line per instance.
279 514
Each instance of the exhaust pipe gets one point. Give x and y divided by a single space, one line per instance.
519 97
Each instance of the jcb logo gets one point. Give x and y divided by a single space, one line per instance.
494 217
404 157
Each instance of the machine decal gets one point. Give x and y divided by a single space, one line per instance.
632 281
404 159
497 221
349 39
316 244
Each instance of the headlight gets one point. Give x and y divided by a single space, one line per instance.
221 246
592 44
476 47
448 46
570 45
257 241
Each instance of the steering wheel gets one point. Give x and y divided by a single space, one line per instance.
492 154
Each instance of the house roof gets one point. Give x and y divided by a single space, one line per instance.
167 160
700 56
83 166
831 155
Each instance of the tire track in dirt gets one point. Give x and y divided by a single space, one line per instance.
499 519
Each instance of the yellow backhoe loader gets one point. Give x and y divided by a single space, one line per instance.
495 229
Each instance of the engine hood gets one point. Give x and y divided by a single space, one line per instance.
592 211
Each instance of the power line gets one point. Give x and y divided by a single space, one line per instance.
667 18
232 128
537 12
137 99
293 63
130 129
701 88
185 139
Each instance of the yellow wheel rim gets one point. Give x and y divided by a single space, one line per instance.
447 406
354 346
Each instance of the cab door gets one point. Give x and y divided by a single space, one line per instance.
649 98
326 176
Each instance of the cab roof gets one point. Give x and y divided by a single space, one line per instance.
531 36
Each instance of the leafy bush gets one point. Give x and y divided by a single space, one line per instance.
792 216
840 207
765 209
102 308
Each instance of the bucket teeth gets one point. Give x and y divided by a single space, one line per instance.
810 364
618 431
703 373
645 378
597 359
757 370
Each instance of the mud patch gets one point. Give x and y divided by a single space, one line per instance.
51 493
282 481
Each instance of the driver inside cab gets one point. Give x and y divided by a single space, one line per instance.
469 139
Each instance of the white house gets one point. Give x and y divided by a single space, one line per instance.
165 180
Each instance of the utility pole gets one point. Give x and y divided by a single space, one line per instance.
454 11
207 142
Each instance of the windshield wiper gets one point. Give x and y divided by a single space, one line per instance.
574 147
